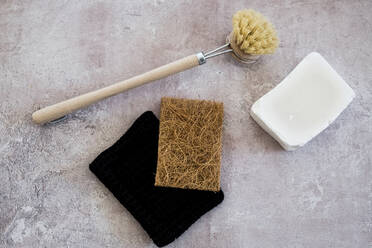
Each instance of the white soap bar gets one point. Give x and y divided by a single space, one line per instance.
304 103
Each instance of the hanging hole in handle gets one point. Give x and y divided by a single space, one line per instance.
58 120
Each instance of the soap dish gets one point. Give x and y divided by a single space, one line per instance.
306 102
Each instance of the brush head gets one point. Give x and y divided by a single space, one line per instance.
252 34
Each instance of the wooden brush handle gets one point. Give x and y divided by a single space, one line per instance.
58 110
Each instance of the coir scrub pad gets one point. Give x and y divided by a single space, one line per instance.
127 169
190 144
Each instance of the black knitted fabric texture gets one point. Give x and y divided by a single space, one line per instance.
128 170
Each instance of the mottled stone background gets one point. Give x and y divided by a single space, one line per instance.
317 196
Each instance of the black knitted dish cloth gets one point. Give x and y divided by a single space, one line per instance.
128 169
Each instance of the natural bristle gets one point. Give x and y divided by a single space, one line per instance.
253 33
189 152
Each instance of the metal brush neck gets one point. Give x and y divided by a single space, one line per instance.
218 51
202 57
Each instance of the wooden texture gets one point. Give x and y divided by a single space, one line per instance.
58 110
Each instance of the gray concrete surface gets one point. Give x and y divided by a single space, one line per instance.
317 196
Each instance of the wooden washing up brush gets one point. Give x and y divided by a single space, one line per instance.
252 36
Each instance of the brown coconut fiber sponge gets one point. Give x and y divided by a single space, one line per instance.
189 152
